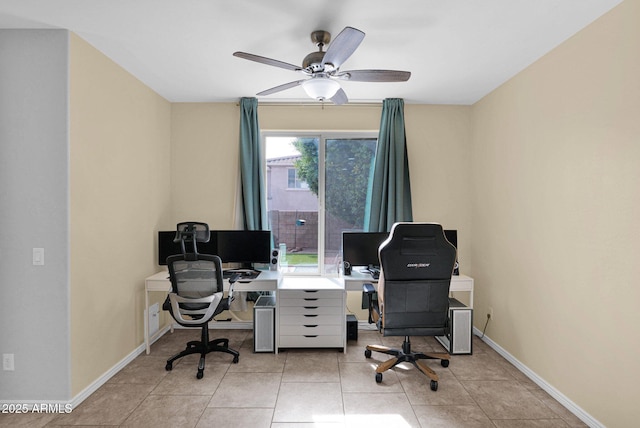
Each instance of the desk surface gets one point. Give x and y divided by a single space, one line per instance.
266 281
270 280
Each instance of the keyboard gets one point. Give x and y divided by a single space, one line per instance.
244 273
374 271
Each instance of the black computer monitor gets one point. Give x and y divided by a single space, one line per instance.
244 246
452 236
166 246
361 248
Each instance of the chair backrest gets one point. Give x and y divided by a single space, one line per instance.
416 263
194 276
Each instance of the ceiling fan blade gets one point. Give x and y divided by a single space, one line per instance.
343 46
340 97
374 75
281 87
268 61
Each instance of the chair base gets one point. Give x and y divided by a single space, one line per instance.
203 347
406 355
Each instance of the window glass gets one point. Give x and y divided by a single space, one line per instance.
317 187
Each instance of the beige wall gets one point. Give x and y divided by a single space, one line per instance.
556 202
438 140
204 163
119 162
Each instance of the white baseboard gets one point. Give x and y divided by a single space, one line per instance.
557 395
95 385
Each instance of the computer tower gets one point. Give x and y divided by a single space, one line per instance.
352 327
264 321
458 341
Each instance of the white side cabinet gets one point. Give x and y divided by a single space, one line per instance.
311 313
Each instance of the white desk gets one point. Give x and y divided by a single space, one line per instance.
266 281
354 282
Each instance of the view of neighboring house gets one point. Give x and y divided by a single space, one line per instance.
292 207
282 181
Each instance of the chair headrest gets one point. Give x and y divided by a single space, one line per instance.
191 230
417 251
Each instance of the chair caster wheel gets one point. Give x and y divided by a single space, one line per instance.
444 363
235 360
200 374
367 353
378 377
434 385
168 367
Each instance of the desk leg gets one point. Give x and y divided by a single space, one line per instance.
146 320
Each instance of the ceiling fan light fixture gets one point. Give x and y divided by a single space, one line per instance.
321 88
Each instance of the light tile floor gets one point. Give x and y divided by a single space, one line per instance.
310 388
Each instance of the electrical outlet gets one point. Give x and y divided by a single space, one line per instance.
7 362
38 256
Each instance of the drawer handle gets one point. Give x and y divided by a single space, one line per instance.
311 325
310 336
310 300
311 316
310 291
310 307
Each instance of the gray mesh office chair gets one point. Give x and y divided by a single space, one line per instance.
197 293
416 263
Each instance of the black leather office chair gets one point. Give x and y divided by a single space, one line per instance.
197 293
416 264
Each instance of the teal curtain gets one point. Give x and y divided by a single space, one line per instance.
390 190
254 207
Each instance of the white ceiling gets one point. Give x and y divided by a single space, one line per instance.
457 50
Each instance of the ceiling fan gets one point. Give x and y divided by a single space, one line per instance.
323 68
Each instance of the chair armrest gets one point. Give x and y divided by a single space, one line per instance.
234 278
369 290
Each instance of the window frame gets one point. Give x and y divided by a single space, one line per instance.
322 137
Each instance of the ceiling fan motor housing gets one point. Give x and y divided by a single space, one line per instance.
313 61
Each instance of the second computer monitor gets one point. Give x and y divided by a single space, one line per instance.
244 246
361 248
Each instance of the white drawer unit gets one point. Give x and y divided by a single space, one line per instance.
311 313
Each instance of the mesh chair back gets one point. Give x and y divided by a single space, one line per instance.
194 276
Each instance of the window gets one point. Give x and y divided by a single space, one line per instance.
331 175
293 182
